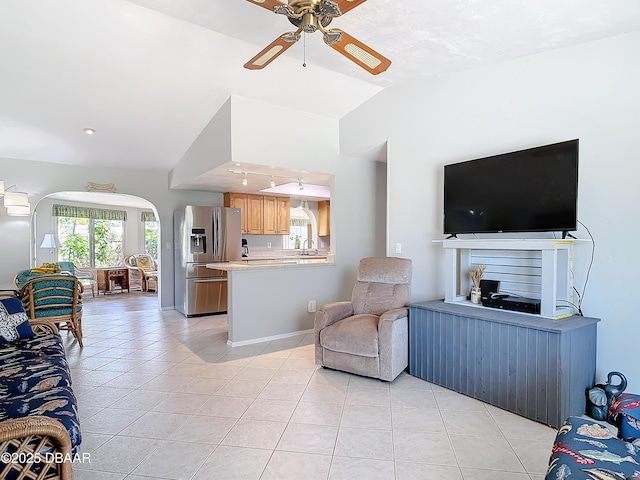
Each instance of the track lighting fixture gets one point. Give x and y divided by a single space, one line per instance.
272 182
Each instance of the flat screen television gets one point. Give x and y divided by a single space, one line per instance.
532 190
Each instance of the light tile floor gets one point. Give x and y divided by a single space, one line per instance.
162 396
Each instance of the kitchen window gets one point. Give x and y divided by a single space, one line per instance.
303 229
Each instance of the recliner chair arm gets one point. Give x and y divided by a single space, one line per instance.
393 315
331 313
393 341
328 314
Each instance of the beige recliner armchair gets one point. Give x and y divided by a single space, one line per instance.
370 334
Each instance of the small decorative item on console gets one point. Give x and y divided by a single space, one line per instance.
476 272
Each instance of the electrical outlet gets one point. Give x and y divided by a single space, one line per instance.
268 244
398 248
168 245
311 306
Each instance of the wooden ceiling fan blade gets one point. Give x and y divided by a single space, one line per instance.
272 51
268 4
356 51
335 8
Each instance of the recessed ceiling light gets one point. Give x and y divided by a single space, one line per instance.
89 131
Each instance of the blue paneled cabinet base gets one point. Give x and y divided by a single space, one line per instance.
529 365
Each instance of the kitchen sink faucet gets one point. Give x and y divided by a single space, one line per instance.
304 248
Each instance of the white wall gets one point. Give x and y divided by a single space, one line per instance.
39 179
272 302
268 134
211 149
588 92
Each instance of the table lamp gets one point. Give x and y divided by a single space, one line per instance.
50 241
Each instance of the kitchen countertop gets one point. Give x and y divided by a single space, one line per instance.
261 257
277 262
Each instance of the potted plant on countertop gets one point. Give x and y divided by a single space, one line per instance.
476 272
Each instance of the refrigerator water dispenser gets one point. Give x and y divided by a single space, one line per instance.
198 241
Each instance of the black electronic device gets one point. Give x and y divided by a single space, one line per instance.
531 190
487 287
516 304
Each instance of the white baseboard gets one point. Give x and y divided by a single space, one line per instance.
268 339
167 308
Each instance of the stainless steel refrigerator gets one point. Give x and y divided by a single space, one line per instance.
204 235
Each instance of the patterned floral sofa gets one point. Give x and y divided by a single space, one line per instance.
586 449
39 428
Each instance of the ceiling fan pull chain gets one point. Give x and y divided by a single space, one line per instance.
304 49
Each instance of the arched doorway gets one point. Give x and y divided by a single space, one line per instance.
112 227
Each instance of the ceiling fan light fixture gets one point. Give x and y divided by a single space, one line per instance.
331 9
245 181
331 37
272 183
309 23
282 10
310 16
292 37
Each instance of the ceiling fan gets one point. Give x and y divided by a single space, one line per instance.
313 15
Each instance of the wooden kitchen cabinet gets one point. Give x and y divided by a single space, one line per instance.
324 218
283 207
270 216
255 209
238 200
261 214
277 216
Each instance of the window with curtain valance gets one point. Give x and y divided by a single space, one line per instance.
147 217
89 212
299 222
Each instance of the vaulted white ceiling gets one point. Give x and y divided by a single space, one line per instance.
148 75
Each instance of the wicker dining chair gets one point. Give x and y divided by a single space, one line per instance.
56 298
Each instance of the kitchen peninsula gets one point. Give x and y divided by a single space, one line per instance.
269 297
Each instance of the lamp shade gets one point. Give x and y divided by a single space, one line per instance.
50 241
16 199
19 210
